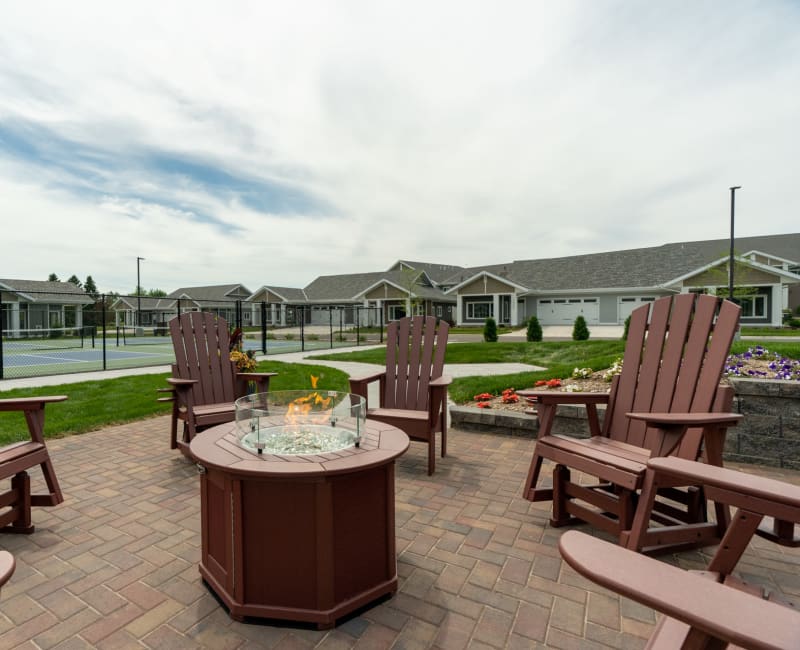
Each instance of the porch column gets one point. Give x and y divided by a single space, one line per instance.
283 314
408 307
514 310
459 309
496 307
273 313
13 323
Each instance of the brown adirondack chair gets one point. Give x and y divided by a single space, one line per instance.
7 566
413 391
667 400
18 457
205 382
711 608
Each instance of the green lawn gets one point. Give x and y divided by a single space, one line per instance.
96 404
769 331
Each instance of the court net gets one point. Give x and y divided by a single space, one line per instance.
47 338
151 335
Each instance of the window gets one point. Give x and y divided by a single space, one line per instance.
480 310
754 307
439 311
396 311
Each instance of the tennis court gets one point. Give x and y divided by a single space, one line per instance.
68 350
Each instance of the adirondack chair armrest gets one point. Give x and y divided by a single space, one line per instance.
367 379
441 382
29 403
677 420
255 376
258 377
181 384
724 612
760 490
558 397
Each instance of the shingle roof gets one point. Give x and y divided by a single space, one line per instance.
45 291
436 272
215 292
639 267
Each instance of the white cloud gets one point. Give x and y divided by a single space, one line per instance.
268 143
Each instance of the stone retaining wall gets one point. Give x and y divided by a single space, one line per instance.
769 434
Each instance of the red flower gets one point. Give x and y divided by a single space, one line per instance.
484 405
554 383
483 397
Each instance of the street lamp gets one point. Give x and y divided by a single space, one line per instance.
138 318
730 261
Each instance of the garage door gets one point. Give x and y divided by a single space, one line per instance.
626 305
564 311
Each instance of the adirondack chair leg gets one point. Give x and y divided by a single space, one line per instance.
21 486
530 491
561 476
632 536
444 430
432 454
173 428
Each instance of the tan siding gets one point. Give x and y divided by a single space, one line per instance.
489 286
719 277
386 292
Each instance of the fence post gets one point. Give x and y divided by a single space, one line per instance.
103 298
238 313
302 329
263 327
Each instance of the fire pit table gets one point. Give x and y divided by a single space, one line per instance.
297 506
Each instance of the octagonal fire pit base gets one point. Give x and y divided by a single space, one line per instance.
307 538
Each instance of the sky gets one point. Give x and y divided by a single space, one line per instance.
268 143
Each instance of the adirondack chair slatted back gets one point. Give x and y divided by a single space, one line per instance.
673 361
414 356
202 352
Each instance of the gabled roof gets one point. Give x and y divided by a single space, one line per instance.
287 294
221 292
147 302
436 272
46 291
650 268
786 275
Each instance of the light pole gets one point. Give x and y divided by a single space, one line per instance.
138 318
730 260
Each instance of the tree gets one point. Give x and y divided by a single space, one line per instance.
627 327
156 293
53 278
74 279
490 331
534 332
91 288
580 332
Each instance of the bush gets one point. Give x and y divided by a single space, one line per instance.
534 333
794 323
313 337
289 336
580 332
490 331
627 327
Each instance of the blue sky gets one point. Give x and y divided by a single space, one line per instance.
269 143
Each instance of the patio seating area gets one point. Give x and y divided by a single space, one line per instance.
116 564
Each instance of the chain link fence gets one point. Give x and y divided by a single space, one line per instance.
51 333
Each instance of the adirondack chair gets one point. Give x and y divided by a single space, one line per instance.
18 457
711 608
413 391
7 566
205 382
667 400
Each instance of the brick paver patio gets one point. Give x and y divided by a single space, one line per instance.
115 566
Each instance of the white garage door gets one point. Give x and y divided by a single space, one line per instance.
564 311
626 305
